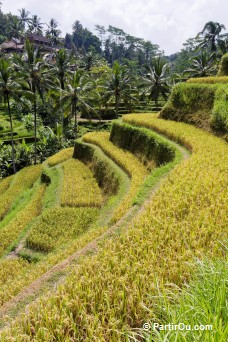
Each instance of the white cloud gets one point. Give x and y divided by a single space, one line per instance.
167 23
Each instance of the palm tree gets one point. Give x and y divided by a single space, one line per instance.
53 32
212 37
15 27
35 26
24 17
156 81
61 69
74 95
10 88
118 86
31 68
202 65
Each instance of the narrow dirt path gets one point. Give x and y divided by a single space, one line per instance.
30 293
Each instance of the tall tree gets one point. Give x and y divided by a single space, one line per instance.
74 95
118 86
61 68
212 37
24 17
156 81
11 88
202 65
30 67
53 32
7 90
35 25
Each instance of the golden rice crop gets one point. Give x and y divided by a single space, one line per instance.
60 156
9 269
209 80
59 225
5 183
109 293
23 180
127 161
15 226
79 186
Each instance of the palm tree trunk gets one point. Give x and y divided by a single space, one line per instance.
75 119
62 112
35 124
117 100
11 132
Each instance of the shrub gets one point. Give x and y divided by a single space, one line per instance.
219 119
223 70
188 98
203 105
144 144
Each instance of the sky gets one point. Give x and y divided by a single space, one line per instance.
168 23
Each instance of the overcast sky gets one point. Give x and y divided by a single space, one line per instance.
168 23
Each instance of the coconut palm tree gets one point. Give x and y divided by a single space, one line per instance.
31 68
35 26
118 86
74 95
24 17
156 80
15 27
10 89
60 69
53 32
212 37
202 65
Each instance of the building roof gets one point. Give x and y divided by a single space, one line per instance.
10 45
38 38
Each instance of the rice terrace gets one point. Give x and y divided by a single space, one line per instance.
113 185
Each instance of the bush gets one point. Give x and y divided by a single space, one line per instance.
223 70
188 98
203 105
144 144
219 119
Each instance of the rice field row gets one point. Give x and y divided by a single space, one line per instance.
23 180
60 156
114 291
58 226
79 188
5 183
11 231
127 161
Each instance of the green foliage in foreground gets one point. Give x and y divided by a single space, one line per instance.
202 303
204 105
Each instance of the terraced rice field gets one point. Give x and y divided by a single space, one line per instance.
112 292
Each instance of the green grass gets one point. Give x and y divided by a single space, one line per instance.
201 304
